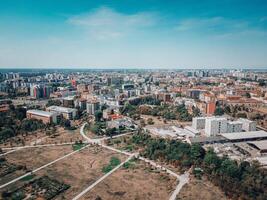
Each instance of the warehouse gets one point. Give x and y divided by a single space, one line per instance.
261 146
245 136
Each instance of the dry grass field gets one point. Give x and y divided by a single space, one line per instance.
138 181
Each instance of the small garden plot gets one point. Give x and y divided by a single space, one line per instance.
41 188
8 170
134 180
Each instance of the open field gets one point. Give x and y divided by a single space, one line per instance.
80 170
39 137
134 181
63 136
201 190
32 158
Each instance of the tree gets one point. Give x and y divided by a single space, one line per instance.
248 95
196 112
219 111
150 121
111 131
241 115
98 115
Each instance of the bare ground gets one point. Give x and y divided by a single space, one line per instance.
80 170
138 183
200 190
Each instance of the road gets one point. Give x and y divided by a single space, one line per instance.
42 167
183 179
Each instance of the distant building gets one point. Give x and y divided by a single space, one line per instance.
210 108
46 117
68 113
248 125
69 101
40 91
92 107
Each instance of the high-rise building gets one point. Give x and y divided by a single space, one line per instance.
215 126
92 107
40 91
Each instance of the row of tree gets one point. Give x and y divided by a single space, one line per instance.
241 180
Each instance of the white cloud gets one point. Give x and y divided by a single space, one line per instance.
195 23
106 23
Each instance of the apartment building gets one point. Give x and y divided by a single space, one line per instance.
248 125
215 126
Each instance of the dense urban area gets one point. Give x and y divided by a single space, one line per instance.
133 134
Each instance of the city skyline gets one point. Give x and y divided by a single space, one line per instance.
130 34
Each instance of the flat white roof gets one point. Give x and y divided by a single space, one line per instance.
244 135
40 113
235 122
191 129
262 145
61 109
244 120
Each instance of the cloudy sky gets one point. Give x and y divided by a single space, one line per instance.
133 33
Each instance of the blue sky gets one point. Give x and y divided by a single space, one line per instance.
133 33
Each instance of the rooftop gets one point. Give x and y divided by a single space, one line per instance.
261 145
40 113
61 109
245 135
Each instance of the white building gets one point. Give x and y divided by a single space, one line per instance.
233 127
248 125
215 126
199 122
68 113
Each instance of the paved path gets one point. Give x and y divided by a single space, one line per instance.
42 167
101 179
183 179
